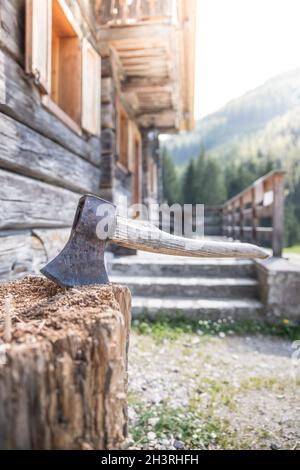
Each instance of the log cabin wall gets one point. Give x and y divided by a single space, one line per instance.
44 164
49 154
116 179
148 51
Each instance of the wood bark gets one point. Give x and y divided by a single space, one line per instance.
63 378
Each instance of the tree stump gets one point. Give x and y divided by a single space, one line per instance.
63 378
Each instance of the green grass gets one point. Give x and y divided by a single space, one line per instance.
195 428
199 424
292 249
163 327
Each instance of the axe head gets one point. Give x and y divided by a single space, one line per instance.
81 262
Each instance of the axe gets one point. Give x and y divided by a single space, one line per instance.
81 262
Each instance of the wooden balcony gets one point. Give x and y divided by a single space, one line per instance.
151 45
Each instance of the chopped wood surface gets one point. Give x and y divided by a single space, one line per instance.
45 310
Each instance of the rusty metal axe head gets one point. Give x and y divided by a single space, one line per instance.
81 262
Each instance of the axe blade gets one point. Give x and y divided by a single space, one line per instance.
81 262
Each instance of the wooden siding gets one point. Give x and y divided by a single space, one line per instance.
29 153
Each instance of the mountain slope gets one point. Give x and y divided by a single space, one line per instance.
264 120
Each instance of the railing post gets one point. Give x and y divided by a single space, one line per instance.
254 215
232 221
241 209
278 210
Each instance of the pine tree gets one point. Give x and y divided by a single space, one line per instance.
170 179
188 184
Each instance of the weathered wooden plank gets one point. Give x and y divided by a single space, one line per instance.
12 27
20 99
28 153
145 36
108 116
108 140
26 251
107 90
28 203
162 119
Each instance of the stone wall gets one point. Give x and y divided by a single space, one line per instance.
279 284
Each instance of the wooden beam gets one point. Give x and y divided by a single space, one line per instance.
26 152
153 35
28 203
162 119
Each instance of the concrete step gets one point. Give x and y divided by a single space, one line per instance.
189 288
161 266
198 309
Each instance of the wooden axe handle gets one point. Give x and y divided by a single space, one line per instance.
140 235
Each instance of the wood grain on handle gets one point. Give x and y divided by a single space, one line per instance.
140 235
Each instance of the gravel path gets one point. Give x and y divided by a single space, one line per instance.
203 392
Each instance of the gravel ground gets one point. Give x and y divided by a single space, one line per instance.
214 392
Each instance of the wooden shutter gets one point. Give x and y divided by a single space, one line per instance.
38 42
91 89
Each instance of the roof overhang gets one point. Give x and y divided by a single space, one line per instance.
152 73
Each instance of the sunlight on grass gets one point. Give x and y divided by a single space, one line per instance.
163 328
292 250
195 427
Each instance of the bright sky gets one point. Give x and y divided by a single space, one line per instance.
241 44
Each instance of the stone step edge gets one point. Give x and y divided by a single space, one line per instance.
180 304
185 281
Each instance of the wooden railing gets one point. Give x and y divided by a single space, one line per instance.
127 11
256 214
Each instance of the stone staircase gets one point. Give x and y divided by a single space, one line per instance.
193 288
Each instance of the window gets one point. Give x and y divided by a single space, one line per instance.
66 65
67 69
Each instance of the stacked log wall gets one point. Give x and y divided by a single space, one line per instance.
44 165
116 182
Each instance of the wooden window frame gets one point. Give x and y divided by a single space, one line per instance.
136 165
123 132
45 85
47 100
95 126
